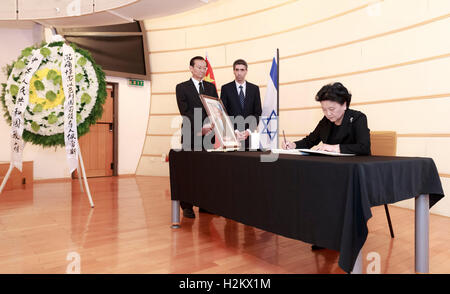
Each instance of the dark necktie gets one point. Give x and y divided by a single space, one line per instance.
241 97
201 89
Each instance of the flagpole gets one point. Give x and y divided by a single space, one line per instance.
278 97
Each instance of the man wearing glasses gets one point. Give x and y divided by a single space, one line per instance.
188 100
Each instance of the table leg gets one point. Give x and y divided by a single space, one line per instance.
422 220
175 214
358 267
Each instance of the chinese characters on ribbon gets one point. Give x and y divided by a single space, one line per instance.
70 117
17 117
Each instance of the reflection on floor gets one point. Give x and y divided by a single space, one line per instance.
49 227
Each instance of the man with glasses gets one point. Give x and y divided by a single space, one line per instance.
188 100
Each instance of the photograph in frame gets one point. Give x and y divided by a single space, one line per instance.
223 128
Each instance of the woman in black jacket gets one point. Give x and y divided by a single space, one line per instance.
341 130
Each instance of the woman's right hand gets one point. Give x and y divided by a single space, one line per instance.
288 145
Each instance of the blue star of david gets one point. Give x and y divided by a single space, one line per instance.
266 122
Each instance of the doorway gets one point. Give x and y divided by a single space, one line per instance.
99 145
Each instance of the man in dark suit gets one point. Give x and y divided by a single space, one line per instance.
193 113
242 101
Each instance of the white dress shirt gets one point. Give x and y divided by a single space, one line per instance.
243 87
197 84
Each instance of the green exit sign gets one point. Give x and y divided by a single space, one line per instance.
135 82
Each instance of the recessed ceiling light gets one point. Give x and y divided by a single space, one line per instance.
204 1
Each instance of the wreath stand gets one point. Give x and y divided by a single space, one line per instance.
88 191
48 51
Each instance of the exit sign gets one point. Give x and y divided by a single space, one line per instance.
135 82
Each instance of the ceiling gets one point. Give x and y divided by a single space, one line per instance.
138 10
146 9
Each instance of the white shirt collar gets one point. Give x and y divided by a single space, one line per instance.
238 85
243 84
196 83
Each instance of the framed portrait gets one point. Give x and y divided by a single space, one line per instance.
223 128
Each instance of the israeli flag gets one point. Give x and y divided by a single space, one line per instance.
268 124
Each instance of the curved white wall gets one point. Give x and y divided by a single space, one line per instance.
134 105
394 56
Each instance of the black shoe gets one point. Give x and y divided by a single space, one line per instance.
315 247
189 213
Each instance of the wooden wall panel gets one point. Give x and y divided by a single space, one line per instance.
17 179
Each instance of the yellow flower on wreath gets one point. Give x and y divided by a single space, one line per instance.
46 103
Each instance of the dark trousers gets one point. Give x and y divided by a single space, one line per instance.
185 205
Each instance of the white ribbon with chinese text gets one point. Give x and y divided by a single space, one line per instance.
70 112
17 117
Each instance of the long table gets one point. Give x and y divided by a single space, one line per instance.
322 200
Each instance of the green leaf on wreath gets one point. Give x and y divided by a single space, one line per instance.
79 77
35 126
52 119
27 51
39 85
16 78
82 61
20 64
38 108
57 80
14 89
51 74
45 51
86 98
50 95
98 98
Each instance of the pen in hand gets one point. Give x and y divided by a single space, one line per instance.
285 143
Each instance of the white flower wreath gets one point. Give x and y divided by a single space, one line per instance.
44 115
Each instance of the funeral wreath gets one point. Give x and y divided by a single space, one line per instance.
44 114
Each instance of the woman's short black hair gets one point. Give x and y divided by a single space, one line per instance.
334 92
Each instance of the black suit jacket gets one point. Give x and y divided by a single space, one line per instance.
252 103
353 135
188 99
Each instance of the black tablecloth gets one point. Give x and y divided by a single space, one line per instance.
321 200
